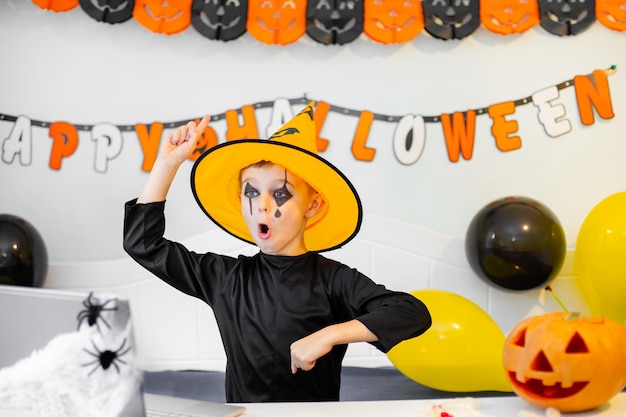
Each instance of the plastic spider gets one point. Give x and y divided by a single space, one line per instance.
93 312
106 358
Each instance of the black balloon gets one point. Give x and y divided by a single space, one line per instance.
515 244
23 254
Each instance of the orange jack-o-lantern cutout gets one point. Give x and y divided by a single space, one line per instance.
566 361
56 5
163 16
393 21
509 16
277 21
612 14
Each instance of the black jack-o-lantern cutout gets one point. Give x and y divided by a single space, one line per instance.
276 21
334 21
223 20
566 17
109 11
612 14
451 19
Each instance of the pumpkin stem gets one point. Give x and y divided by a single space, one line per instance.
574 315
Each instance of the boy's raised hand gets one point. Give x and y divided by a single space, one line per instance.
181 143
176 149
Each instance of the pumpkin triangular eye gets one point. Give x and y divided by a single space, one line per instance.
520 339
541 363
576 345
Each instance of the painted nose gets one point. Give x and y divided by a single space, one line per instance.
264 203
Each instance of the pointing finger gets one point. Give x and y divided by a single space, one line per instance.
203 123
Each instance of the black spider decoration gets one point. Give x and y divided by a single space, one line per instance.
106 358
93 312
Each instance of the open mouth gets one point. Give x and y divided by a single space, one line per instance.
549 391
264 231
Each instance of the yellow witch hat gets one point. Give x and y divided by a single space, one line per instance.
215 182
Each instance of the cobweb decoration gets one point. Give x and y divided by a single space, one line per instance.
54 381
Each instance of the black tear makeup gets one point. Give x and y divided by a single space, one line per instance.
282 195
250 192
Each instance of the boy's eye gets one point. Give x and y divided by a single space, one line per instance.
250 191
282 195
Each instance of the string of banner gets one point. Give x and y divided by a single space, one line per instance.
281 22
408 141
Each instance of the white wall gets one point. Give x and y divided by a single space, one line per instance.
68 67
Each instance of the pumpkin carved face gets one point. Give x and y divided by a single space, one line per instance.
509 16
220 19
109 11
277 21
163 16
451 19
612 14
566 17
334 21
393 21
571 363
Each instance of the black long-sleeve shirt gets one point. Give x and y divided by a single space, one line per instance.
264 303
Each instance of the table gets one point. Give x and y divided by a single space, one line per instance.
489 407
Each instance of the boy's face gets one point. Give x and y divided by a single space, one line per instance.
276 204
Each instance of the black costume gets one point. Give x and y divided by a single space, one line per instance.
264 303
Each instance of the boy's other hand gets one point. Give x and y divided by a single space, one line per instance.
306 351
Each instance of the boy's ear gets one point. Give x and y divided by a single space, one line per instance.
316 204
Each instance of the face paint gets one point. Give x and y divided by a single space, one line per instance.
282 195
250 192
277 214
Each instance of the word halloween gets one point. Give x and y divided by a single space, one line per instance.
408 140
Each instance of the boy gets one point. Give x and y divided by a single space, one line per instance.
287 313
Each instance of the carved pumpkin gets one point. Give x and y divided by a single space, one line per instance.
220 19
509 16
612 14
451 19
56 5
334 21
393 21
163 16
566 361
277 21
109 11
566 17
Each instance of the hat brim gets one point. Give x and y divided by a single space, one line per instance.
215 186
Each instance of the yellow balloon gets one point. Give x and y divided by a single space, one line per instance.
600 258
461 352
